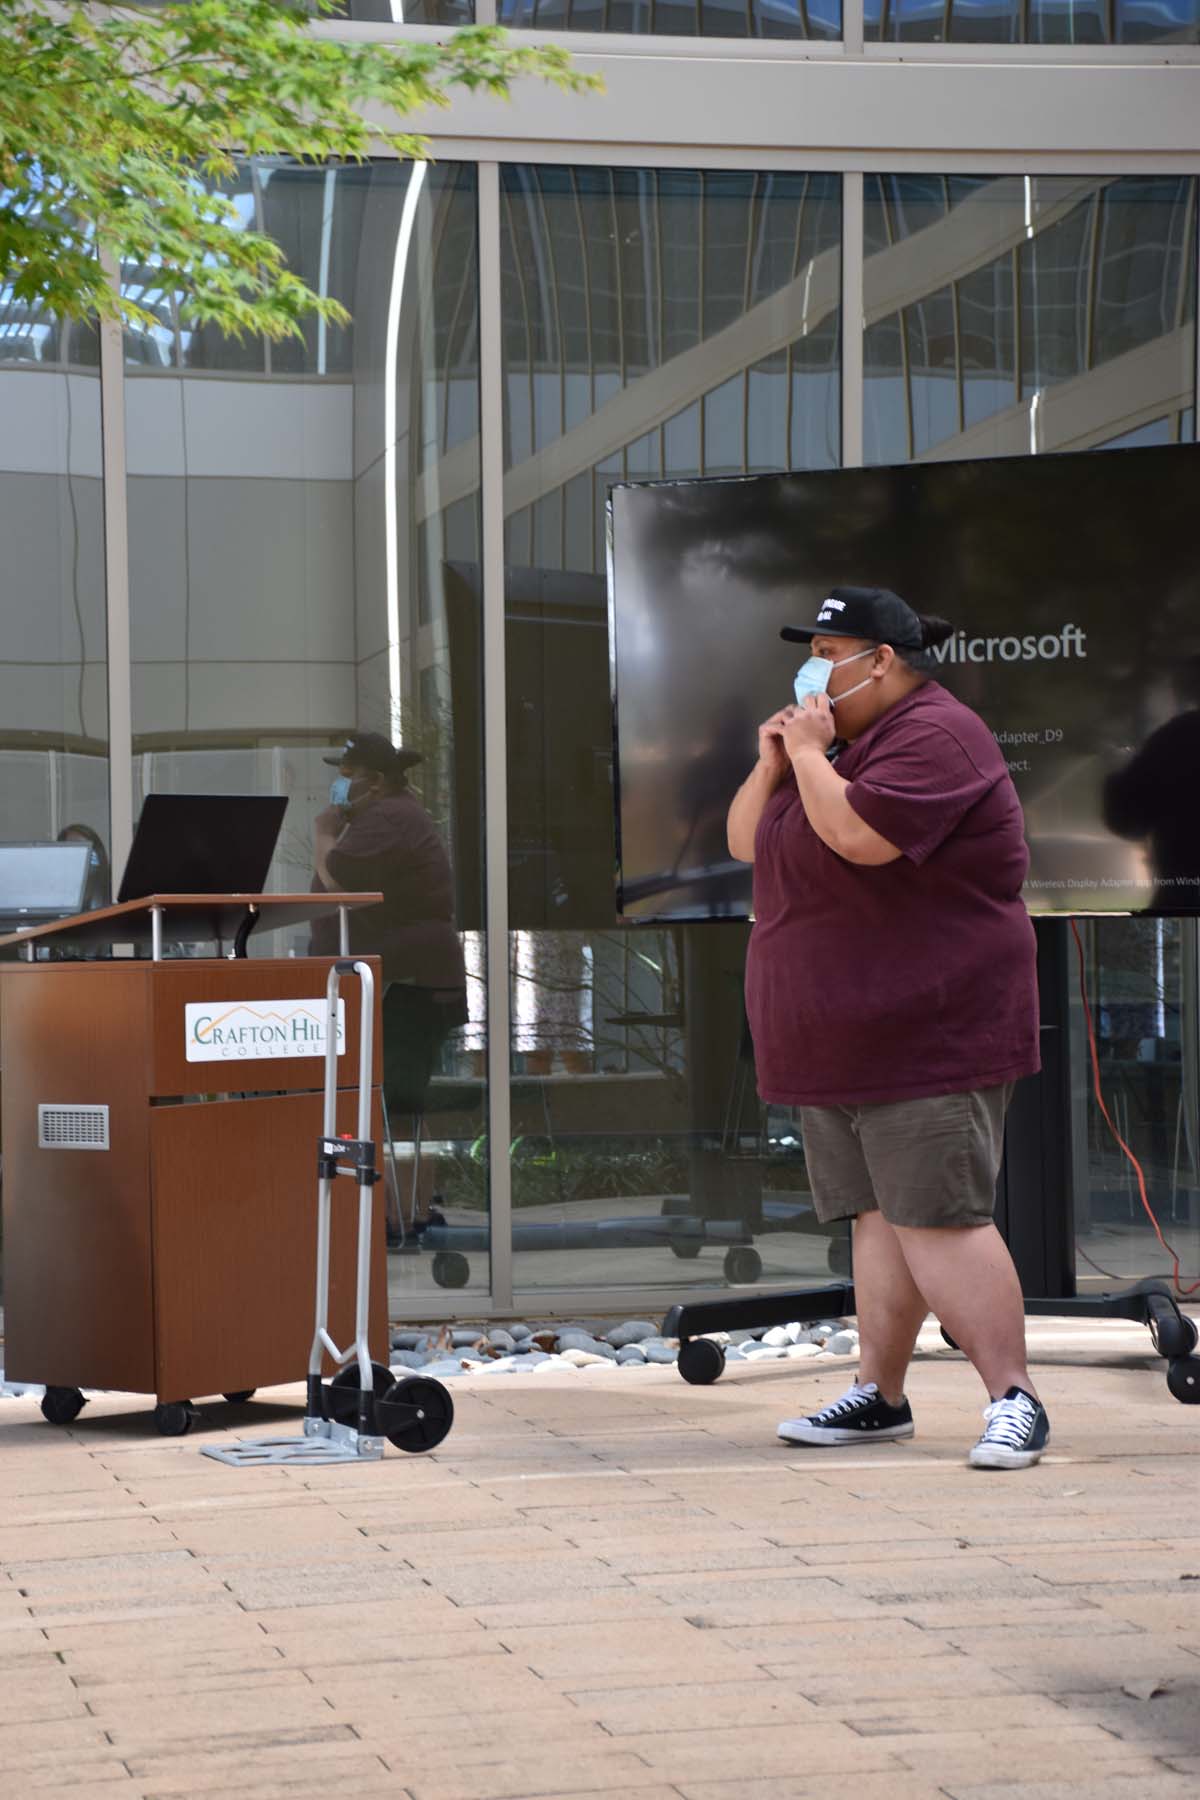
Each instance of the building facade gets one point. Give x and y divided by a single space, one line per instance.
791 234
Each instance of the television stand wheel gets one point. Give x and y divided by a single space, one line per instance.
701 1361
174 1418
743 1265
685 1248
240 1396
60 1405
1173 1335
451 1269
1183 1379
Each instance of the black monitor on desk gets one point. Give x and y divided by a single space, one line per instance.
203 844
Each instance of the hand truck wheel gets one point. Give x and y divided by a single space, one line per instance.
174 1418
415 1413
341 1395
701 1361
240 1396
1183 1379
61 1404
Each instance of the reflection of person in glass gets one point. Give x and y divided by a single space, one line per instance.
702 806
98 888
376 835
1154 798
891 991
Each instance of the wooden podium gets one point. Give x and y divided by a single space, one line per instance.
160 1125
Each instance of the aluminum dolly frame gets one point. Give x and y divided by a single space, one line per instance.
349 1419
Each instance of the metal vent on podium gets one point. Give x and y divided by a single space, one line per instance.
72 1127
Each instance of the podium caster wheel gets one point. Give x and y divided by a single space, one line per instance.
685 1248
61 1405
701 1361
742 1265
415 1413
1183 1379
240 1396
341 1396
451 1269
174 1418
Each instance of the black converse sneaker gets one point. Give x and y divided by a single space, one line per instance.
1016 1431
862 1412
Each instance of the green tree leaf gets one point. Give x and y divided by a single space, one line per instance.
120 123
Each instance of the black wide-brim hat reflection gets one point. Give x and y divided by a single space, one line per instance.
371 750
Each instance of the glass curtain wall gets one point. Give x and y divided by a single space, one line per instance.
816 20
54 655
1143 984
407 12
1011 316
656 323
1032 21
303 536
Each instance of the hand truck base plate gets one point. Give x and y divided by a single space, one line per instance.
324 1441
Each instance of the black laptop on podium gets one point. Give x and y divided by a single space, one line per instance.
203 844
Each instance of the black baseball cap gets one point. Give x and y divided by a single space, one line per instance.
371 750
863 612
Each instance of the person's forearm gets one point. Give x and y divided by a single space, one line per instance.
823 796
747 809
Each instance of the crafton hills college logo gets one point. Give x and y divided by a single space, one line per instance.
260 1029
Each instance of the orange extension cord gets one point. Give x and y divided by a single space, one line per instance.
1176 1278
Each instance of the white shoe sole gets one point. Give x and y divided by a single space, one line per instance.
996 1458
798 1431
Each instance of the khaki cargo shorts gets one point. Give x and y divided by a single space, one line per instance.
927 1162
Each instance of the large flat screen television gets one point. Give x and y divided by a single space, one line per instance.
1073 583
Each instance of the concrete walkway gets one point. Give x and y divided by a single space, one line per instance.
608 1582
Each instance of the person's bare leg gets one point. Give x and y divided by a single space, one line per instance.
891 1307
968 1278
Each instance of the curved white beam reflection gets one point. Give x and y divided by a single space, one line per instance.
408 219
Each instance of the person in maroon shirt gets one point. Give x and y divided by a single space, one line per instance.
892 996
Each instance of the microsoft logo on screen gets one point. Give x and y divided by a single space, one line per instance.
1071 640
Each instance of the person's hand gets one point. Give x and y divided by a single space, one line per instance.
810 727
771 752
330 822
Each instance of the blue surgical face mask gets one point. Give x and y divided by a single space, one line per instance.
812 677
339 791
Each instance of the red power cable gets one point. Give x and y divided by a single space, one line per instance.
1176 1279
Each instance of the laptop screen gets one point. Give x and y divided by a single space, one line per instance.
42 881
203 844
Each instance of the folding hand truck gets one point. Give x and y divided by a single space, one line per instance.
348 1418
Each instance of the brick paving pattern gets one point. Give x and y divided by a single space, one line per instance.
612 1583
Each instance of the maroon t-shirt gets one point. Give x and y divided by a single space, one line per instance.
913 978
